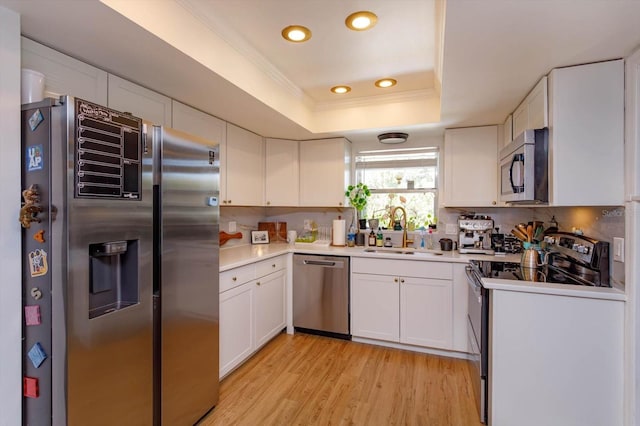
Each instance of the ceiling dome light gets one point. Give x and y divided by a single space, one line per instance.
340 90
393 137
360 21
296 33
386 82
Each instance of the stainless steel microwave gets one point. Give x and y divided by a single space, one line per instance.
524 176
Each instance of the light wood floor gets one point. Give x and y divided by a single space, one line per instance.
311 380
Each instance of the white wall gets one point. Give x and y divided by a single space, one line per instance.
10 284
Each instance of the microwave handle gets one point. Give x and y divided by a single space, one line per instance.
516 158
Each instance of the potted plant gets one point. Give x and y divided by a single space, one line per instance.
432 221
358 195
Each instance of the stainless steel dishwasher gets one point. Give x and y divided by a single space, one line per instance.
321 295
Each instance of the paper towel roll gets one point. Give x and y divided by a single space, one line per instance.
338 234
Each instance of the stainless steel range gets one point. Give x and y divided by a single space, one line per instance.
568 260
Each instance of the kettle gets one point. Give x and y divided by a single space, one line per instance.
446 244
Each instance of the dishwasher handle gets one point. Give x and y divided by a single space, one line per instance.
328 263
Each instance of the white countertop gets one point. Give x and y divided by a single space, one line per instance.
233 257
604 293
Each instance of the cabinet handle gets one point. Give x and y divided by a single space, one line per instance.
402 280
339 204
268 203
395 280
234 279
258 283
273 266
494 203
229 201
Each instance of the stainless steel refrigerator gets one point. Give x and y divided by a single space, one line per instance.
104 237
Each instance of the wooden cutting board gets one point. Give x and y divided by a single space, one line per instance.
272 228
224 237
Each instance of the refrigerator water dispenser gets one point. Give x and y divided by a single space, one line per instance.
113 271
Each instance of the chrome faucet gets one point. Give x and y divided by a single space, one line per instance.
404 224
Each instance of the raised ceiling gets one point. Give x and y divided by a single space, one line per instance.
458 63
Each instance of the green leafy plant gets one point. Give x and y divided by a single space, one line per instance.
358 195
432 221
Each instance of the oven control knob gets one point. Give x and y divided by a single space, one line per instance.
575 247
586 249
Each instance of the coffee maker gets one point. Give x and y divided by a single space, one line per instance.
475 234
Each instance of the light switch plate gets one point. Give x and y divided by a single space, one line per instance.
618 249
232 227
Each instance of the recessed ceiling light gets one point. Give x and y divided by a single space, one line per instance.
296 33
386 82
360 21
341 89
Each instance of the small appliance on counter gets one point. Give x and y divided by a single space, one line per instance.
475 234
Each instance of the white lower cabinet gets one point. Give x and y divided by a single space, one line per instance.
375 307
425 312
269 307
402 301
252 309
555 360
236 326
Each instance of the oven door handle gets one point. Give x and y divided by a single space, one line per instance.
474 282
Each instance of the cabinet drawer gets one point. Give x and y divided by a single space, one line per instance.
265 267
405 268
237 276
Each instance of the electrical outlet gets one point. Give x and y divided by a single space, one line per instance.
232 227
451 229
618 249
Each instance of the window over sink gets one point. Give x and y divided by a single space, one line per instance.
400 177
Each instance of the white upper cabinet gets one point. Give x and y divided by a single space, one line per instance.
325 172
586 135
507 132
242 168
282 173
532 113
470 167
126 96
198 123
65 75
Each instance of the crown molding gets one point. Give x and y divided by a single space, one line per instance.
240 45
400 97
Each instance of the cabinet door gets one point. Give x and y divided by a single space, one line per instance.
426 312
144 103
375 303
324 172
65 75
269 308
507 132
236 326
520 119
538 105
243 167
281 172
586 135
471 167
198 123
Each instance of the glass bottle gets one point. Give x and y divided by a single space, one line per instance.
379 238
372 239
